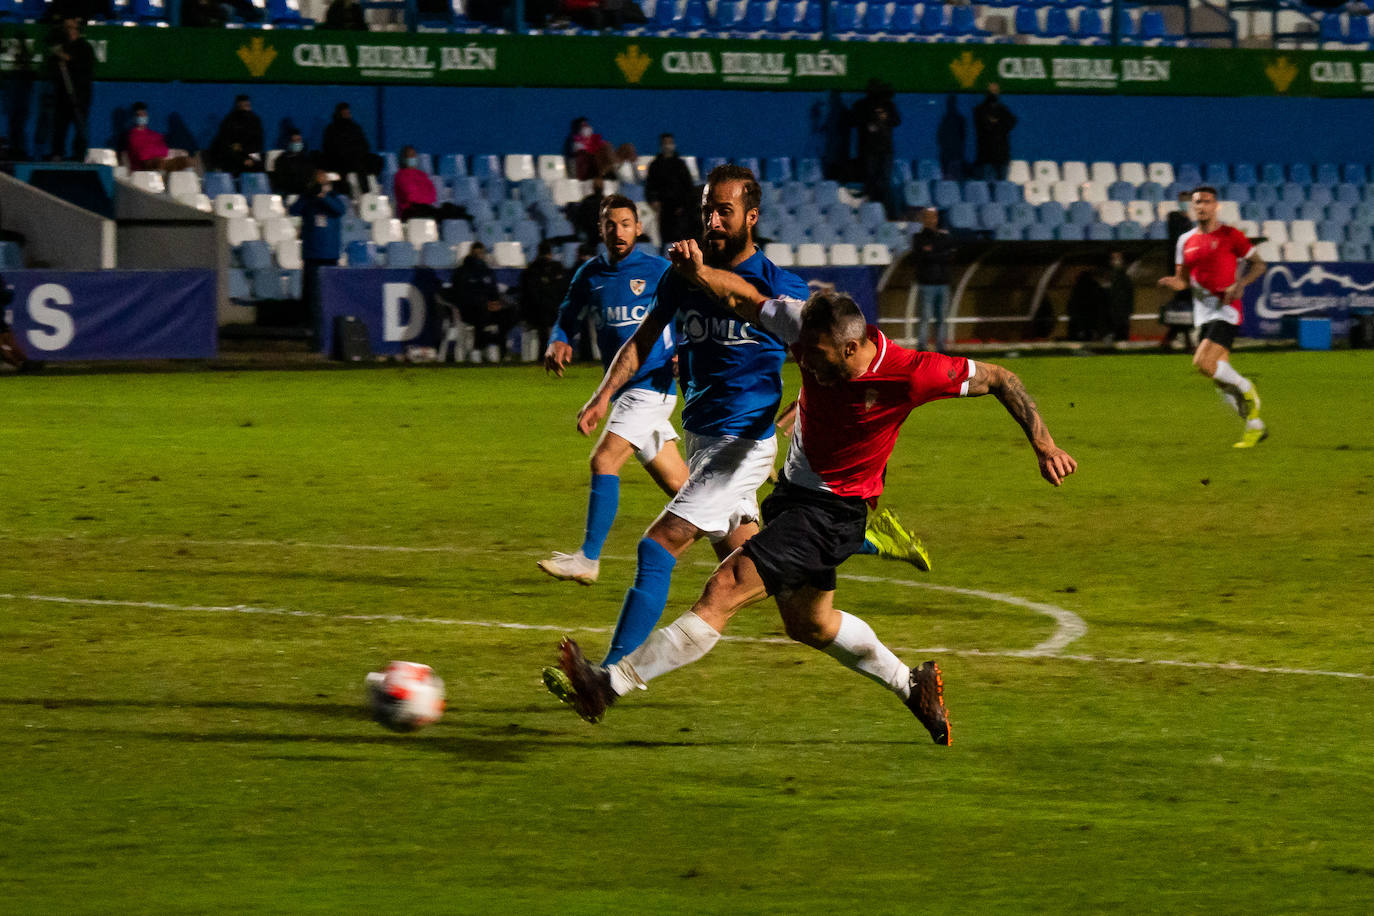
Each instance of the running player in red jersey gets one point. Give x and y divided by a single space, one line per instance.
1206 260
857 389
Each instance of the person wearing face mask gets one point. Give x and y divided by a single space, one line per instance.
588 153
294 169
146 148
669 188
414 192
237 147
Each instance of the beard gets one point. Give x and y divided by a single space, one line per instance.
720 249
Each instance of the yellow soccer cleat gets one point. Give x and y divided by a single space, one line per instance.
894 542
1253 437
1252 404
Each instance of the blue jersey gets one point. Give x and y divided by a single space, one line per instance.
731 370
618 296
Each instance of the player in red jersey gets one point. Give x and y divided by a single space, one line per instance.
1206 260
857 389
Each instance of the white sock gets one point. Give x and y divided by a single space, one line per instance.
858 648
679 643
1228 376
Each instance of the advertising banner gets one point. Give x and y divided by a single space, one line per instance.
1304 290
620 61
114 314
397 305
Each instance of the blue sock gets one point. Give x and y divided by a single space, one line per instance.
869 547
601 508
644 602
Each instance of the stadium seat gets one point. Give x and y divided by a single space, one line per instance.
361 254
1066 192
1039 232
1007 193
251 183
1050 213
1113 212
1090 29
1254 211
1036 192
1362 233
1019 171
1272 173
1152 27
917 194
1025 21
1106 173
288 253
1046 170
1302 230
875 254
519 167
990 216
1071 232
1057 23
420 231
1313 212
508 254
1140 211
437 256
963 216
1237 193
286 14
780 254
903 21
386 231
1283 211
1274 230
843 254
241 229
1162 173
1354 251
810 254
1296 251
1081 213
1228 211
240 289
1009 233
1152 191
254 254
1291 192
267 206
1355 173
275 229
185 183
1157 231
963 23
400 253
148 181
374 207
1101 232
1021 214
95 156
1123 191
454 231
823 233
1129 230
486 166
928 170
778 169
1300 172
932 21
946 194
1188 175
1216 174
1320 195
267 284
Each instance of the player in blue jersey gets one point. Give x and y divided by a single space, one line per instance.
732 383
616 290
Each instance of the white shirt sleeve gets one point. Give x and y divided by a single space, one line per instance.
782 319
972 371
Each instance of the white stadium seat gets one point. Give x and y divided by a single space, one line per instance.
419 231
289 254
1248 227
1038 192
1132 172
96 156
552 168
1325 251
1112 212
1297 251
270 160
386 231
232 206
1074 171
1104 172
275 229
1302 230
567 191
1165 207
1228 211
266 206
1269 252
1045 170
519 167
374 207
200 201
692 168
242 229
1160 173
810 254
509 254
1093 192
844 254
1274 230
780 254
148 181
183 184
1019 171
1065 192
1141 211
876 255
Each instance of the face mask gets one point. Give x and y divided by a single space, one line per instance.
412 162
295 146
141 120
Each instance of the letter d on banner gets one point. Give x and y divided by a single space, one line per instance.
396 298
61 327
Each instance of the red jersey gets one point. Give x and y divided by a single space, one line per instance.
846 432
1210 258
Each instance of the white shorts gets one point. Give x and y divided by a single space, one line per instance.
724 475
643 418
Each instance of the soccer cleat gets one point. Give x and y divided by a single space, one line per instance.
1252 404
1254 435
591 684
558 684
572 566
894 542
927 701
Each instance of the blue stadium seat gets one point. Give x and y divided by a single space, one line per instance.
1009 232
149 10
1081 212
1244 173
493 187
1216 174
903 19
756 16
401 254
1071 232
1328 173
932 21
527 233
217 183
1359 232
1025 21
1129 230
710 163
779 169
963 216
1290 192
1339 212
1352 172
990 216
1057 23
1050 213
1333 230
1284 211
1266 194
239 287
1254 211
437 255
1152 191
286 13
826 195
1272 173
361 254
751 163
844 17
453 165
962 22
729 14
1320 194
1347 193
1152 26
1007 192
874 18
1123 191
694 16
255 255
11 256
1100 232
1021 213
928 170
976 193
1240 193
787 16
1364 212
1354 251
809 170
823 233
872 214
486 166
1188 175
1330 29
946 194
1039 232
1091 29
901 171
1300 172
267 284
1157 231
855 234
917 194
811 20
1357 30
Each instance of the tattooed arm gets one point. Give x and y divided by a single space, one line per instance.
1055 463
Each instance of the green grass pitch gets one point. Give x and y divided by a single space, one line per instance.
194 584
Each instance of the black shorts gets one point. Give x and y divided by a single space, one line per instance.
806 535
1219 332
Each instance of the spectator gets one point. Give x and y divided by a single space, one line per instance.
1087 306
588 154
604 14
203 14
932 249
415 195
71 66
542 287
669 189
585 215
345 16
147 149
875 116
992 125
294 169
478 299
1120 299
949 137
346 151
237 147
321 209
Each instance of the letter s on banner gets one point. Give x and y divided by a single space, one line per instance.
393 295
62 328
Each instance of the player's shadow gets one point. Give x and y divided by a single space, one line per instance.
336 710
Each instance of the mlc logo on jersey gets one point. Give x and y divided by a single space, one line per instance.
256 56
633 62
699 328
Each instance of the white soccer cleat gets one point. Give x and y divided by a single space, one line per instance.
572 566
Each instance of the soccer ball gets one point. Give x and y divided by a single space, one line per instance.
405 697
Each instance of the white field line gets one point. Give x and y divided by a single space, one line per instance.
499 625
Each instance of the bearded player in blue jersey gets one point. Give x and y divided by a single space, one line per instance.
616 289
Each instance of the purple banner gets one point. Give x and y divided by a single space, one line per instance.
1291 290
114 314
